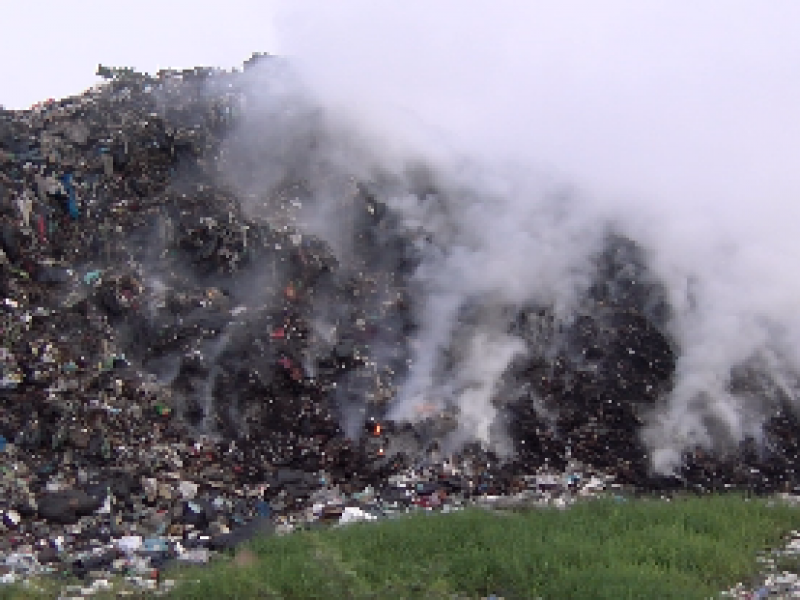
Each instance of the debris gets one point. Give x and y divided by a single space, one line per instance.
184 366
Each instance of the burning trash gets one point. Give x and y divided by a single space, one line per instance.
197 349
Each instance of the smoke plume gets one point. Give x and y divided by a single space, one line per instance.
511 138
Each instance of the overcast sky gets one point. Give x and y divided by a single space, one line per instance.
52 48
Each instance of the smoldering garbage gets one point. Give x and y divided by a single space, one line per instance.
180 371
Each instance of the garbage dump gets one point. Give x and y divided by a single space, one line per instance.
189 357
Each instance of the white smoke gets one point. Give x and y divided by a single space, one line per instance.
676 124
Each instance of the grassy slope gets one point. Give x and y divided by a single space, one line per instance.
690 548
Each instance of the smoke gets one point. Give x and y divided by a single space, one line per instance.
541 128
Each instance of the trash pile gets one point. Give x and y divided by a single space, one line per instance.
180 371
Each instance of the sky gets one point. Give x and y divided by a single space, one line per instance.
51 49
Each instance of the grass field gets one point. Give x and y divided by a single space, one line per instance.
687 548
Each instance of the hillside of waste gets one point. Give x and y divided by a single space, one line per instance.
186 361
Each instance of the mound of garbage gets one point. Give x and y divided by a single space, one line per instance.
185 363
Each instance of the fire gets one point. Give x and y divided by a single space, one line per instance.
377 429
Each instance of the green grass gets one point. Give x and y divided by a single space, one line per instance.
689 548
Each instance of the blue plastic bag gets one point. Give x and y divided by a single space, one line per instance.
264 509
72 203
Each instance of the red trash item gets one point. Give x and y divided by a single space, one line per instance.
40 228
